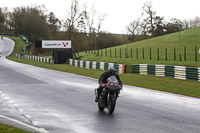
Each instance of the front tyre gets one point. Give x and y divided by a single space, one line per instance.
100 108
111 105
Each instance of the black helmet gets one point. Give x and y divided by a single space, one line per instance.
111 71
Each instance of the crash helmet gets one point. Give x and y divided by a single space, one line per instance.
111 71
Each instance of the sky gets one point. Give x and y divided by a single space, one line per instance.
119 13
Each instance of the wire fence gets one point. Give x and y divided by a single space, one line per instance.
160 54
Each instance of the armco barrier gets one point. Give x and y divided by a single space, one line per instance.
34 58
97 65
178 72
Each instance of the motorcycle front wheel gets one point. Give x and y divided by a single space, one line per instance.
100 108
111 105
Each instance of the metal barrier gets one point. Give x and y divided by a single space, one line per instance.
97 65
178 72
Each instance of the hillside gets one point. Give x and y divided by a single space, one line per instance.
189 39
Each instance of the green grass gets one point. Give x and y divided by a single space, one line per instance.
189 39
167 84
9 129
18 48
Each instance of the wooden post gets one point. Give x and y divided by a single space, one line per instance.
125 53
143 53
106 52
150 53
184 53
137 53
115 52
196 53
158 53
120 53
174 54
110 52
166 54
131 53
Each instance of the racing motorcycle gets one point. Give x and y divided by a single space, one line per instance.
109 95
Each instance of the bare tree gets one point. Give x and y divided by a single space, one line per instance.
135 29
149 21
89 18
73 17
101 18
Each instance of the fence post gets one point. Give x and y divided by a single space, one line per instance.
115 52
120 53
137 53
150 53
131 53
158 53
196 53
143 53
184 53
174 54
125 53
166 54
110 52
106 52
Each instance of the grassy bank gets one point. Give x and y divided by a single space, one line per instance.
167 84
189 39
10 129
189 88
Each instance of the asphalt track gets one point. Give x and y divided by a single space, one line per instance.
57 102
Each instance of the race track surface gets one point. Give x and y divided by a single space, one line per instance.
64 103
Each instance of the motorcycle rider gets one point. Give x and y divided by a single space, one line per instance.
103 79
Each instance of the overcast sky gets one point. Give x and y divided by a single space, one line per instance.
119 12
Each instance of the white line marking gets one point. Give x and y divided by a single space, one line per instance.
10 101
28 116
6 98
15 105
35 123
42 130
21 110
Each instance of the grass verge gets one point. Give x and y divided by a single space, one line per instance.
167 84
141 50
9 129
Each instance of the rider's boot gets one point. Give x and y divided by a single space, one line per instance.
97 98
97 95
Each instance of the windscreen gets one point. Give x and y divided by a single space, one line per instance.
112 79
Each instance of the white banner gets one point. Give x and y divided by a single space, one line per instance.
56 44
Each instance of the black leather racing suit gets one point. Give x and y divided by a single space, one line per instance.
103 80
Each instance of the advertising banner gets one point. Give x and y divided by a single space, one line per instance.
56 44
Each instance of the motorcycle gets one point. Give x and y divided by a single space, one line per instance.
109 95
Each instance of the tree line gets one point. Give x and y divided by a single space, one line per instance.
149 23
84 26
